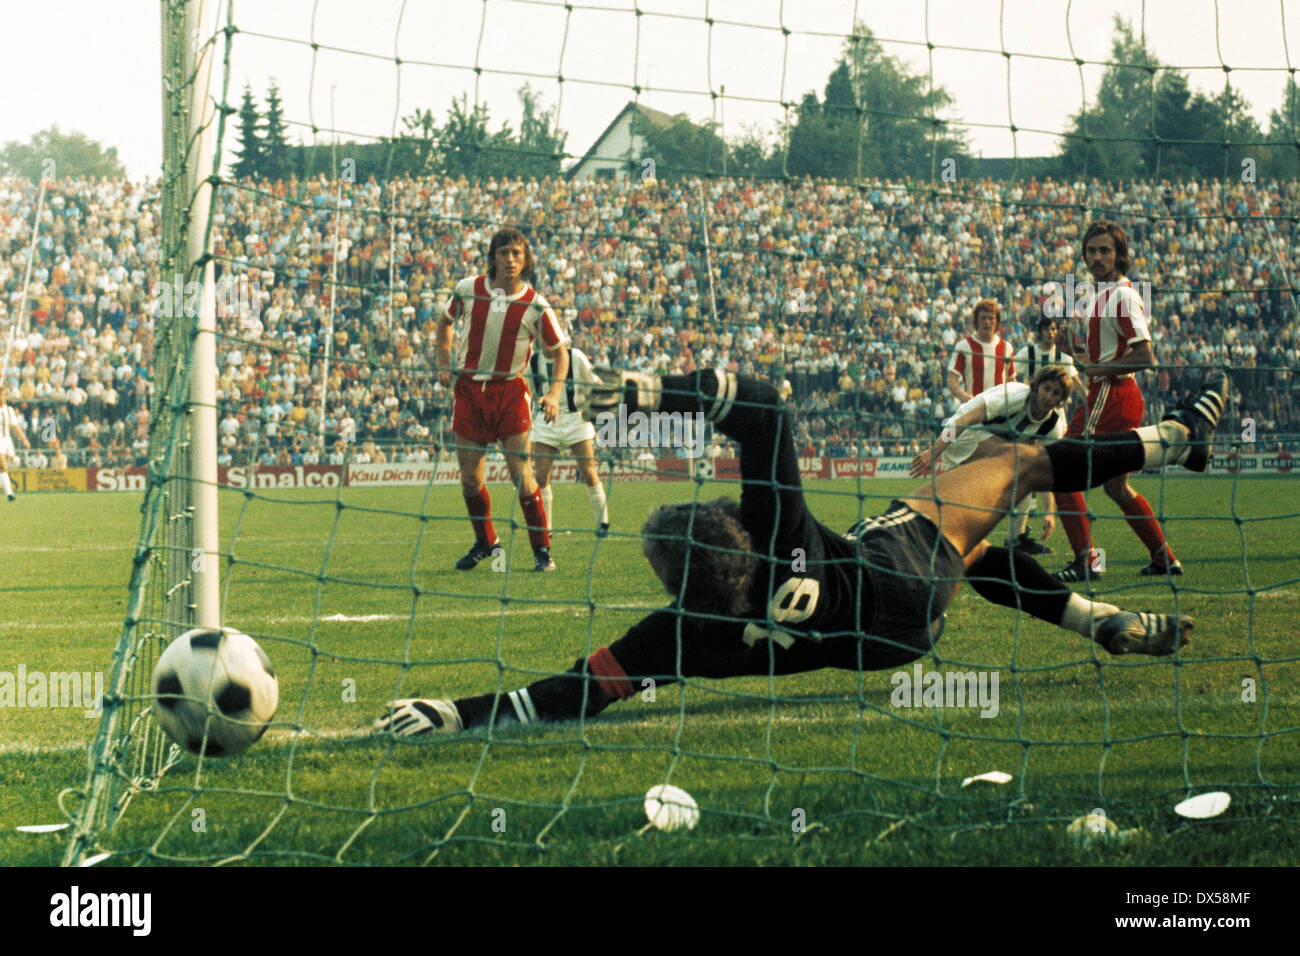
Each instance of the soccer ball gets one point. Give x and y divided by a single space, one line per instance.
216 685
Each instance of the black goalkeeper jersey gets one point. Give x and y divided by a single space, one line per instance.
811 598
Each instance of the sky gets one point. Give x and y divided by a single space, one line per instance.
94 65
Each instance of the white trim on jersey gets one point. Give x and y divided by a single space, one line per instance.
1006 415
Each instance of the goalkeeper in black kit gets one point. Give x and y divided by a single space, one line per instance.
763 588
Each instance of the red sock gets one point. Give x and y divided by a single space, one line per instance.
480 516
1143 521
535 515
609 673
1073 512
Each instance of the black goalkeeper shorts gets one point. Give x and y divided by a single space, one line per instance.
914 572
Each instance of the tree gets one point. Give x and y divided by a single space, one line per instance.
275 145
1283 157
752 154
464 143
876 118
679 148
249 158
1146 121
422 132
540 151
51 153
465 146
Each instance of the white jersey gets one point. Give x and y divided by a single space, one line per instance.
569 428
1006 415
1032 358
9 420
581 377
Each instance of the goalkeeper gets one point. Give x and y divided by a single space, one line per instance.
763 588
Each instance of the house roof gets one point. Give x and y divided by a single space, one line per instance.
657 117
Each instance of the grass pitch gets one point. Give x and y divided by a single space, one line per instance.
352 594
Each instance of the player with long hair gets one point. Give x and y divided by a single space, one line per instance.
501 316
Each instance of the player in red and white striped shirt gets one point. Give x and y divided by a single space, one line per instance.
1118 342
984 359
500 317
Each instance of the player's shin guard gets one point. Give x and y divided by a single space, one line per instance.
1018 520
1076 466
1163 444
1035 592
737 404
1144 524
586 689
1016 580
1072 509
479 507
548 497
535 515
599 505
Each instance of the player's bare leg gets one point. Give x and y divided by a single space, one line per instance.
472 456
516 449
584 453
6 485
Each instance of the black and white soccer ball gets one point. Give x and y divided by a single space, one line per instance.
214 691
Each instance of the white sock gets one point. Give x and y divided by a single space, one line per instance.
1082 615
596 495
546 505
1018 519
1164 444
5 484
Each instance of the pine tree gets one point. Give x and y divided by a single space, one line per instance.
249 163
1283 157
275 145
876 118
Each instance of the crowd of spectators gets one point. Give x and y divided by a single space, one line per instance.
853 296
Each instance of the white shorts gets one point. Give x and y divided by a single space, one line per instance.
569 429
7 446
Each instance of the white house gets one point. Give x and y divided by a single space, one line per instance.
616 151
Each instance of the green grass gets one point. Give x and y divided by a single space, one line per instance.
873 783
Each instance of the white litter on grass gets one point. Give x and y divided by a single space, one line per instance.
671 808
97 858
42 827
1094 826
993 776
1204 806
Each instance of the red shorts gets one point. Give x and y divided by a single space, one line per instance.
485 412
1112 405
